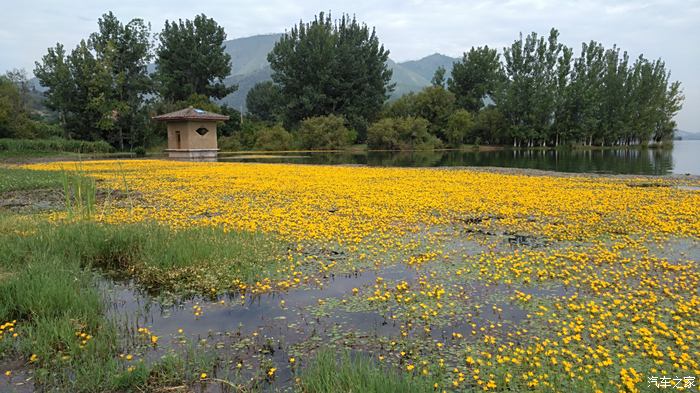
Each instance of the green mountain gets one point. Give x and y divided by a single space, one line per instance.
249 54
426 66
687 135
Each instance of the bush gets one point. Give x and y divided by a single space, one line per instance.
325 133
54 145
230 143
43 129
273 138
140 151
401 133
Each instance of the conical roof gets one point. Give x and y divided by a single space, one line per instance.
191 114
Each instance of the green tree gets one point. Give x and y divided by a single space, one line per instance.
435 105
191 59
490 126
459 127
477 75
10 108
403 106
325 68
100 88
53 72
123 52
264 101
439 77
528 99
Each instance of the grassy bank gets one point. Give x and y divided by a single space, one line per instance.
54 145
54 314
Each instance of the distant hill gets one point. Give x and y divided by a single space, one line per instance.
686 135
426 66
249 54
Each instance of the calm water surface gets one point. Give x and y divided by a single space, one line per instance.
683 158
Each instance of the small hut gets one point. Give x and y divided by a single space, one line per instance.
192 133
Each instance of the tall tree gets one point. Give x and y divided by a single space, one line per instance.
100 88
53 73
11 111
123 53
326 68
477 75
264 101
191 59
528 100
439 77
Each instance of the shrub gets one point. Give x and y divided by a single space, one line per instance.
325 133
230 143
140 151
46 130
273 138
401 133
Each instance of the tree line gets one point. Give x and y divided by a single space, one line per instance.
533 93
330 89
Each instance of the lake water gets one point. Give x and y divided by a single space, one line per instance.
683 158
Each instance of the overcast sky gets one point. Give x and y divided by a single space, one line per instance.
410 29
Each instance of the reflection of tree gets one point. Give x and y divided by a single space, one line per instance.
624 160
406 158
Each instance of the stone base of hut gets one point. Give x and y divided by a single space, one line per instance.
193 154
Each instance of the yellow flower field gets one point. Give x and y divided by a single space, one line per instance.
351 204
604 270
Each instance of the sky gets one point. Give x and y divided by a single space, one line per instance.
410 29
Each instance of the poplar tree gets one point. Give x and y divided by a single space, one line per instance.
325 67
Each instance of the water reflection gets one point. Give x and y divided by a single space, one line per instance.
615 161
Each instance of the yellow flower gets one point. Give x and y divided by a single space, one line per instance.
203 376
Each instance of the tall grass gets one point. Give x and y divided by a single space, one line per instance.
54 145
80 194
331 372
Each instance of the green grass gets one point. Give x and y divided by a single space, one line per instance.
54 145
330 372
48 284
13 179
